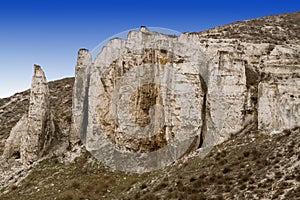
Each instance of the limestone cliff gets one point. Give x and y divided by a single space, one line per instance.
239 81
279 102
138 96
12 109
151 90
141 93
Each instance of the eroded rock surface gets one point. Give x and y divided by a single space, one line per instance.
33 134
227 93
279 102
13 124
13 142
241 82
143 94
263 92
80 96
40 125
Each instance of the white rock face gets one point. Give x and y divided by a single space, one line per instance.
239 95
226 98
13 142
80 97
144 94
153 83
279 103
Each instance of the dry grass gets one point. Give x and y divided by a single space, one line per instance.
248 166
260 30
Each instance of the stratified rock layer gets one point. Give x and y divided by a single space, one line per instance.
146 92
134 86
258 88
226 97
279 102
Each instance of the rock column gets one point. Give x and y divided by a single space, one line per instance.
40 127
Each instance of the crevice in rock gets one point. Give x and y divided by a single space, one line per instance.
204 127
203 112
250 105
85 110
16 155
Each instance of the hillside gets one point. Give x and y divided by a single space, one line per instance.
277 29
248 166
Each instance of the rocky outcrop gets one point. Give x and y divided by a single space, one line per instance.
13 123
33 134
12 109
14 141
227 93
134 86
238 94
80 96
40 125
141 95
152 91
279 102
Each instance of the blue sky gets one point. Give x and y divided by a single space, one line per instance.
50 33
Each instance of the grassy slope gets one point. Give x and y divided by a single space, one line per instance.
248 166
277 29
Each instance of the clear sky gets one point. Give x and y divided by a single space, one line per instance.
50 32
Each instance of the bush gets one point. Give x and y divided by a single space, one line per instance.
219 197
150 196
227 188
198 183
196 197
223 162
172 195
246 153
244 178
192 179
160 186
243 186
226 170
202 176
75 184
66 195
143 186
278 175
